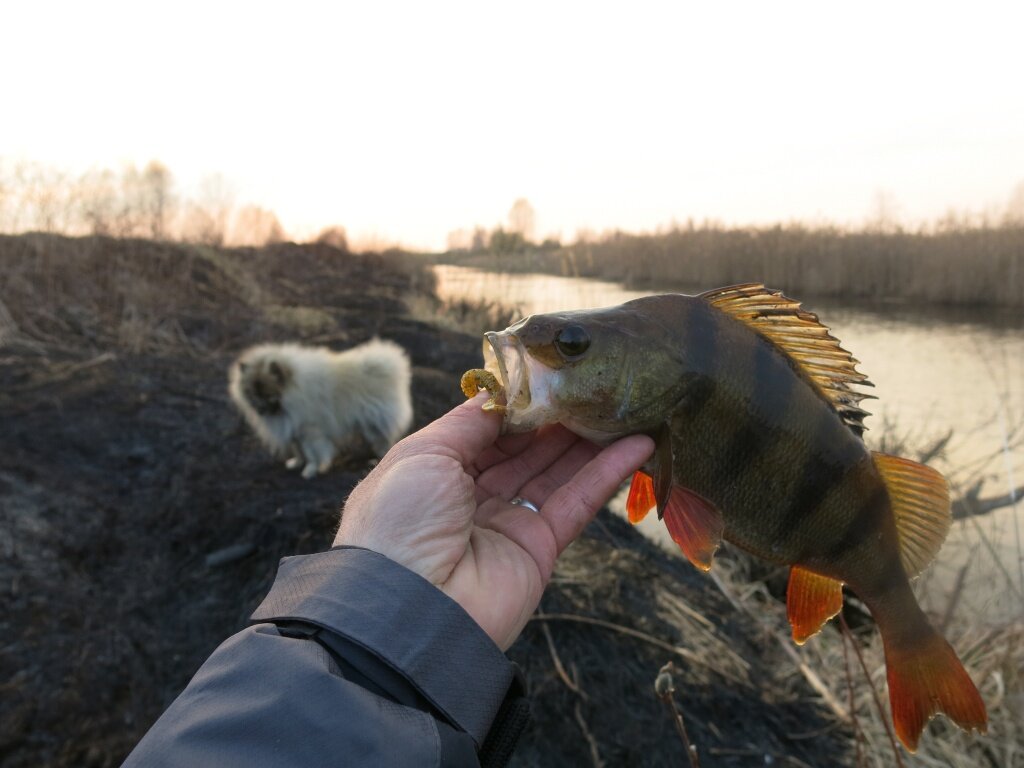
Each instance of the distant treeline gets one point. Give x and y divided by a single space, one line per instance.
966 266
135 203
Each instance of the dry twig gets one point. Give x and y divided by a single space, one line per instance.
595 755
664 687
559 667
874 692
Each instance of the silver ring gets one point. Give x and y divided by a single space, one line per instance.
520 501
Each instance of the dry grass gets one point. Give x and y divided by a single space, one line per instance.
99 294
993 656
127 295
465 315
306 321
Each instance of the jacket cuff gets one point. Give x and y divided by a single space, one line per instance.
402 619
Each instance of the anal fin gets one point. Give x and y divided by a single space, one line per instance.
641 499
811 600
695 524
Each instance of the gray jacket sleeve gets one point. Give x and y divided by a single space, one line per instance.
352 660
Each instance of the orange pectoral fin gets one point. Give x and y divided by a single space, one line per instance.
641 497
695 524
811 600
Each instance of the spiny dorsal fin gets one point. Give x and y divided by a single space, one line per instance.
920 504
804 339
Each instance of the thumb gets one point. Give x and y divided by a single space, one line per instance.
464 432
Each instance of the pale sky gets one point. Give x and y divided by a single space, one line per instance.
409 120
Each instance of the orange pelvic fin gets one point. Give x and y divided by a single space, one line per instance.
920 504
811 600
695 524
928 678
641 498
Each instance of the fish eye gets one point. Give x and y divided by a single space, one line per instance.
572 341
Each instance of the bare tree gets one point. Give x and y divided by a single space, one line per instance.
206 220
335 236
34 197
522 219
130 205
460 240
253 225
157 200
884 213
1015 208
98 202
6 195
481 239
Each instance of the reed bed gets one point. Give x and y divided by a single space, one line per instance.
981 266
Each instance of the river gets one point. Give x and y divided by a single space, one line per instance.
935 371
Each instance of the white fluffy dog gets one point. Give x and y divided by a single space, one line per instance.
310 404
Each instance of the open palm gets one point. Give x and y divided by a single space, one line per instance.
438 504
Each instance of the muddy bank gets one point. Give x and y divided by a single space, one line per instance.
140 523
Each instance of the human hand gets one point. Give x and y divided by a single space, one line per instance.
438 504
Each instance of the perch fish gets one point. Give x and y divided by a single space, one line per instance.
754 408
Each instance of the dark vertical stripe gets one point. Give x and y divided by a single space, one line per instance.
773 383
886 576
866 522
745 446
817 476
699 340
768 396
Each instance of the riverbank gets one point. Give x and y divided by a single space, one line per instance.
140 522
972 266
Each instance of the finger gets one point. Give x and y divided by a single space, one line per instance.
505 448
507 478
571 507
539 488
464 432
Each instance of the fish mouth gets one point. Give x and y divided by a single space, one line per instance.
505 357
529 386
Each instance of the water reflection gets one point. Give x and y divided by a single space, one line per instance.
934 370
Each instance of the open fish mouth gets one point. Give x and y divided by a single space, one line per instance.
529 385
505 357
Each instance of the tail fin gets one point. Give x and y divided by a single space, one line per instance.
926 678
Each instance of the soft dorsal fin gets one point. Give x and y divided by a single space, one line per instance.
804 339
920 504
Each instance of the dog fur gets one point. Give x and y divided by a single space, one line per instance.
311 404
